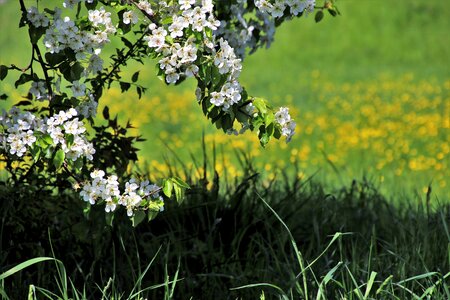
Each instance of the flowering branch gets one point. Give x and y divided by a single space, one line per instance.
188 38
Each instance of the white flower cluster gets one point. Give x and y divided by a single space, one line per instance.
88 108
229 94
226 61
240 31
130 17
135 195
276 8
288 125
178 57
78 89
39 90
64 33
64 129
36 18
72 3
146 7
19 135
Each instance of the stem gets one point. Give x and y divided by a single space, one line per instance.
45 70
118 63
150 17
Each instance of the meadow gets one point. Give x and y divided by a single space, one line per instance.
370 92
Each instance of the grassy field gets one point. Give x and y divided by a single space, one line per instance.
344 211
370 91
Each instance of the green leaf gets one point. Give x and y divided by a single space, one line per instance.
264 139
214 113
106 113
218 123
58 160
24 78
178 194
137 218
75 71
3 71
258 122
91 5
277 133
54 58
319 16
64 68
78 164
48 151
151 214
269 119
167 20
180 182
45 140
35 153
70 139
227 122
87 210
109 218
260 105
36 33
270 129
124 86
372 277
135 76
127 42
241 117
24 265
332 12
167 187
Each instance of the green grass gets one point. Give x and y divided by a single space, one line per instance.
288 239
369 44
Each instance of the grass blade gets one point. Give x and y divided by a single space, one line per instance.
294 245
356 290
326 279
141 276
372 277
252 285
417 277
24 265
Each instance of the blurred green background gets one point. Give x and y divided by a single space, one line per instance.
368 89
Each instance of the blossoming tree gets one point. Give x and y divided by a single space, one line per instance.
202 39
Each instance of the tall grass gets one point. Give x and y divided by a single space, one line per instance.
241 239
